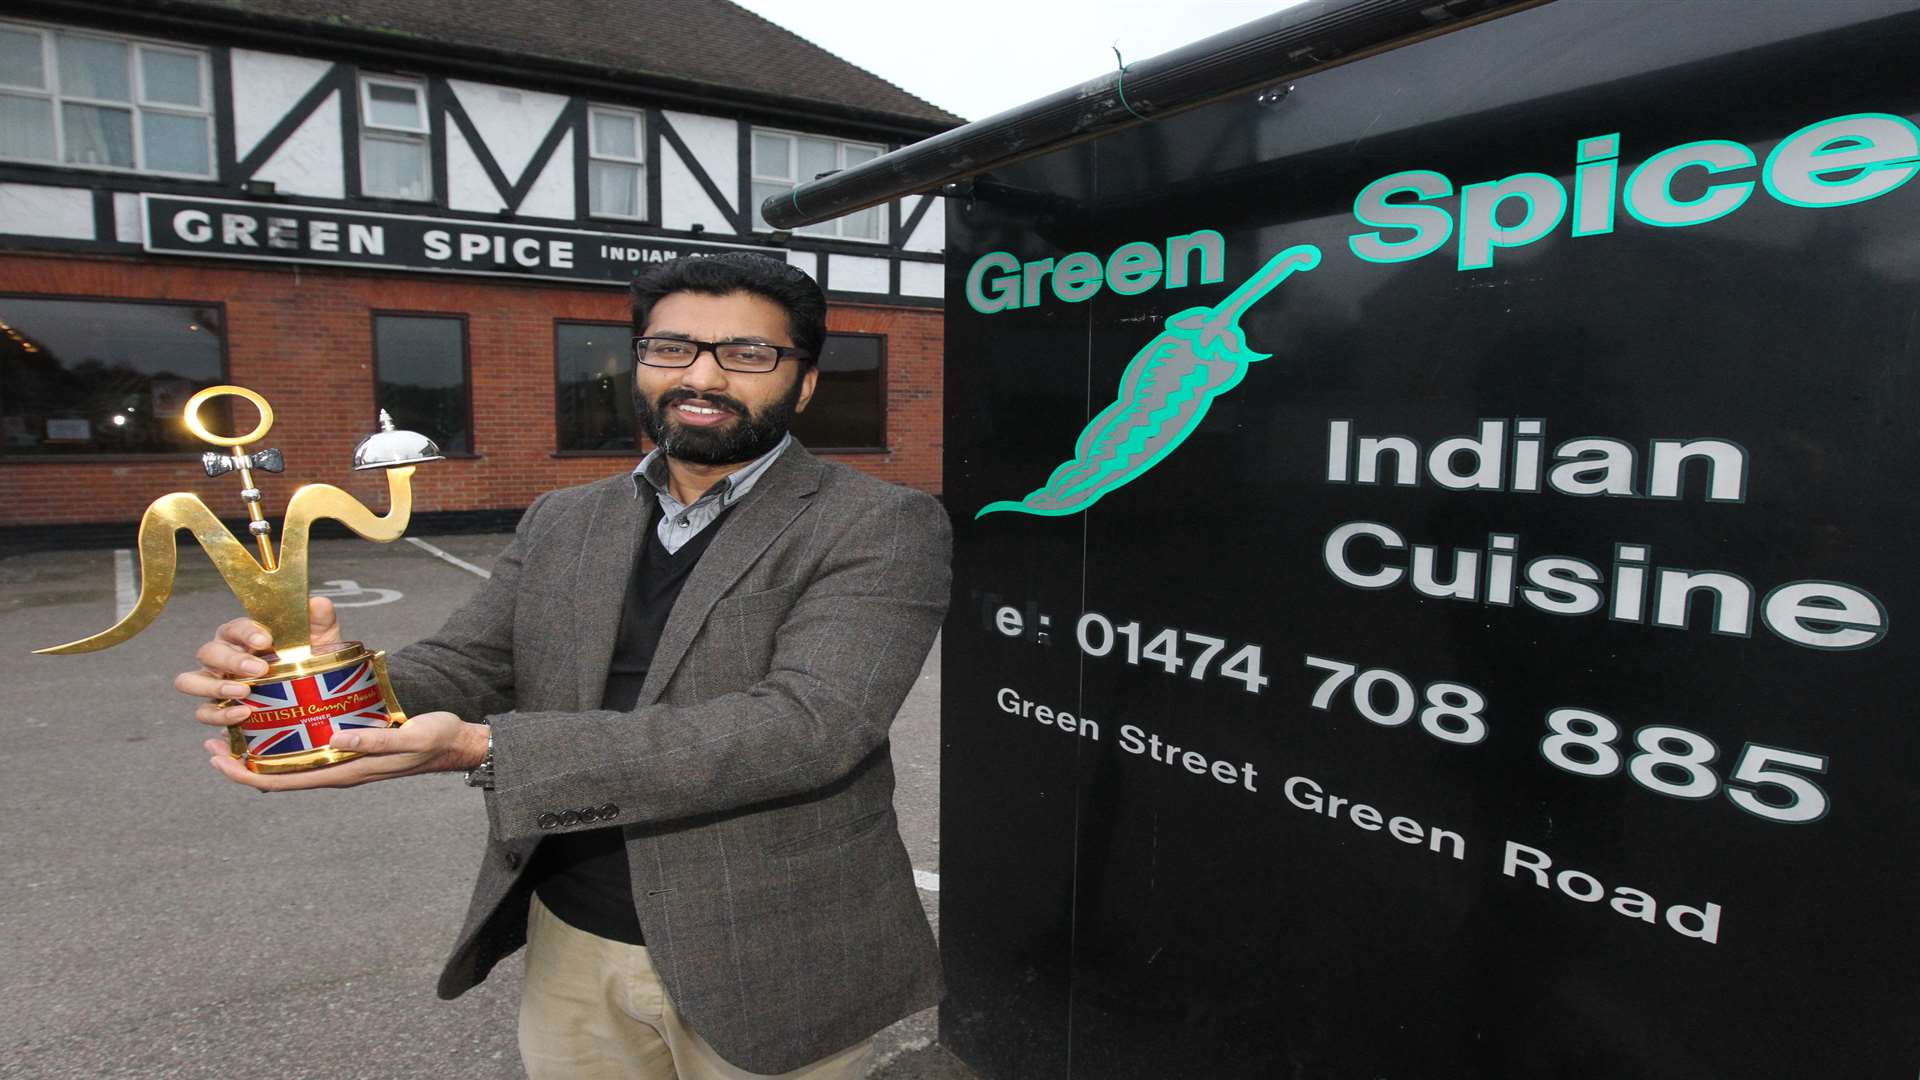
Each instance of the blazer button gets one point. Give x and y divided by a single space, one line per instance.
570 818
547 821
609 812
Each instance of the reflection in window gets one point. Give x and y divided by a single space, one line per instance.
593 381
420 366
105 377
849 407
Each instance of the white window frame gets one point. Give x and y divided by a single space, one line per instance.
421 136
136 103
792 180
639 159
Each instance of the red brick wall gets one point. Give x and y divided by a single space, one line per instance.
303 338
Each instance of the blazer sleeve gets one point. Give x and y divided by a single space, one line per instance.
466 667
844 659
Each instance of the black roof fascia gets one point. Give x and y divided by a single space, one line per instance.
1261 55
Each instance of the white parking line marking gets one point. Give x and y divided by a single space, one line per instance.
345 592
123 594
929 882
454 559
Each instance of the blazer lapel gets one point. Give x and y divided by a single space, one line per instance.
745 534
607 550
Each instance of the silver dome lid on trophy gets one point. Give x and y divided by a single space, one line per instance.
390 447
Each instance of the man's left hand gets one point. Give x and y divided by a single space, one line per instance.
430 742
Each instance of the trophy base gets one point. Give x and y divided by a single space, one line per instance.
299 705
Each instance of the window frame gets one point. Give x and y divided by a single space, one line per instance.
639 160
466 369
136 105
885 400
793 180
370 129
226 377
626 333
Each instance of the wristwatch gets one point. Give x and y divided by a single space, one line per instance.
481 775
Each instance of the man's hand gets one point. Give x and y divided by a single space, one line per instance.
231 655
430 742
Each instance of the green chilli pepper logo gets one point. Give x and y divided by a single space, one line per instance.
1164 394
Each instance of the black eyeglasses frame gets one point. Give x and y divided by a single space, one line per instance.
784 352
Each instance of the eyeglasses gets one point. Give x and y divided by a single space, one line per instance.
745 356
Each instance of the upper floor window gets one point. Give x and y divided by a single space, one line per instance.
393 139
782 160
104 376
104 102
617 165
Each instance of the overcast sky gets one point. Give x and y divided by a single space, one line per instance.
986 56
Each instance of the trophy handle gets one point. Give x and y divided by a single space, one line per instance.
158 558
288 582
315 501
276 599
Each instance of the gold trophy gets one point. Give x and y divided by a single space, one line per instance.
307 694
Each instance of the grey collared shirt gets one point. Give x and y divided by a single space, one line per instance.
679 523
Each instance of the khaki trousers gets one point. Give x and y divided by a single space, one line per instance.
594 1009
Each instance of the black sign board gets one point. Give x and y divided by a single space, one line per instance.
1431 593
276 232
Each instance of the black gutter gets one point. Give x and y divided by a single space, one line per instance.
201 22
1260 55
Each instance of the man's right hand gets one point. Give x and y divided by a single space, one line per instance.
232 655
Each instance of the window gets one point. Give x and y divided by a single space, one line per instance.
420 376
393 139
593 387
849 407
782 160
616 169
104 376
104 102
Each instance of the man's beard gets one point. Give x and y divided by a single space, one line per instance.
752 435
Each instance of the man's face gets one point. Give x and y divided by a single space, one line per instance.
708 415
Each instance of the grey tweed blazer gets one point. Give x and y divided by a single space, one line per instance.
752 780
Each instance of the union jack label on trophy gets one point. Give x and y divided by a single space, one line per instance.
297 715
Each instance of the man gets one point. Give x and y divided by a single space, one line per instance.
677 687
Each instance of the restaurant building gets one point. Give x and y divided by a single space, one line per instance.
424 207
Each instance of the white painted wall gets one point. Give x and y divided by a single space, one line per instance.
265 86
923 279
36 210
467 185
126 218
512 123
931 233
683 202
715 143
807 261
552 195
857 273
310 162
